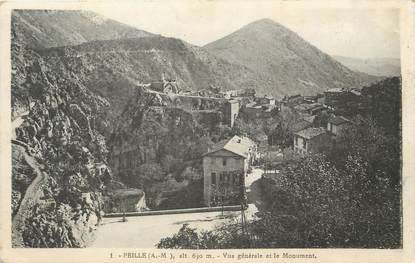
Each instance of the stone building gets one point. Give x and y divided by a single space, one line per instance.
266 100
231 112
225 167
310 140
309 108
336 124
293 100
253 110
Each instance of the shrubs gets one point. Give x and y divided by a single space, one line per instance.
311 203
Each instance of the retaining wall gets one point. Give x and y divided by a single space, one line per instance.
177 211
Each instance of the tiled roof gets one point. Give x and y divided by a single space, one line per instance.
311 132
337 120
356 92
237 145
253 105
301 125
309 119
335 90
307 106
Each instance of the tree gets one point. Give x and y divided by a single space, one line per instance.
146 174
186 238
311 203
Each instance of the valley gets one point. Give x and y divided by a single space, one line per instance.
110 120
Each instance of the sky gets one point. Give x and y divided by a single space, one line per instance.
360 33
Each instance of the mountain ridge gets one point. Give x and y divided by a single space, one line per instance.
114 68
53 28
374 66
268 47
264 55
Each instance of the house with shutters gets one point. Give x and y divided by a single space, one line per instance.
225 167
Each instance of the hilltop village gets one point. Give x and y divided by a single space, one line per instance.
176 149
122 138
311 126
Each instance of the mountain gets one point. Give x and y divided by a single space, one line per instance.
376 66
283 62
110 58
52 28
114 68
64 102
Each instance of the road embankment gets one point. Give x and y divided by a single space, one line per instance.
177 211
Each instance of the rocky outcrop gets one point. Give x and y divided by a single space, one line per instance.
24 198
65 149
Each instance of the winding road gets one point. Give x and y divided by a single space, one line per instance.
33 191
31 197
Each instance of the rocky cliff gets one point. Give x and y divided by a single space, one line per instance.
61 131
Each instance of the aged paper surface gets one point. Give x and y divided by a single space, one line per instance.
345 29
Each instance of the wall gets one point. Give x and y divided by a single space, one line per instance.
334 129
253 112
316 143
213 163
337 129
231 112
299 146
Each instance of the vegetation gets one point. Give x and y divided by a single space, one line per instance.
348 197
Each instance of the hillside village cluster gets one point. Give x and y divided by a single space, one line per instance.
228 162
116 130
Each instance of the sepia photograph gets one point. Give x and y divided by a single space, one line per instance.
167 128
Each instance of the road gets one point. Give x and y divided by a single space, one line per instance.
146 231
30 198
252 177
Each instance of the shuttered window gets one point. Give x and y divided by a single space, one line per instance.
213 178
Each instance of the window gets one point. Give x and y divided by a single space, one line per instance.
304 143
213 178
224 161
296 140
221 177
